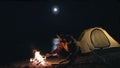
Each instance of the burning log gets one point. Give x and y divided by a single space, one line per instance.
38 60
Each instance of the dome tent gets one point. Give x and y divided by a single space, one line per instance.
96 38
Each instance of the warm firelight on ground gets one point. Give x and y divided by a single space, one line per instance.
38 59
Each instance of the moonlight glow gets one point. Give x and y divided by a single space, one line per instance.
55 10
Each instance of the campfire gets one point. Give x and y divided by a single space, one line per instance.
38 59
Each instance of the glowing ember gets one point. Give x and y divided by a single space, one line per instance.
38 59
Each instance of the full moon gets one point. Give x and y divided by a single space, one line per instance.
55 9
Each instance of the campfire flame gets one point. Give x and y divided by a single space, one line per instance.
38 59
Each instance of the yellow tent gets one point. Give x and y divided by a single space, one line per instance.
95 38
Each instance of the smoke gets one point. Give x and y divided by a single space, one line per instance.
56 41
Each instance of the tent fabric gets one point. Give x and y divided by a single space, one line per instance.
96 38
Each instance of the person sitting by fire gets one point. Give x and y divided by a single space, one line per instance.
66 48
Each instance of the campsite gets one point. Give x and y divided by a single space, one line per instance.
60 34
97 49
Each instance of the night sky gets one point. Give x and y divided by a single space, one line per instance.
32 24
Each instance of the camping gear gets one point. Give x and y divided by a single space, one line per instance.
96 38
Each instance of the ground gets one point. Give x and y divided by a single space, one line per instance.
101 59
